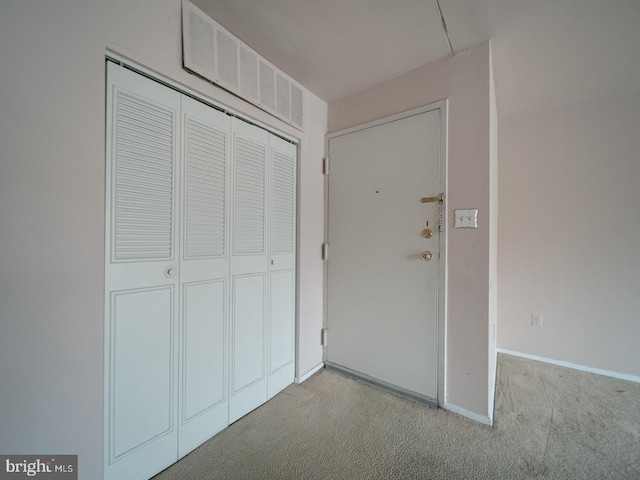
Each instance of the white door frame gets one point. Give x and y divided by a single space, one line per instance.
442 106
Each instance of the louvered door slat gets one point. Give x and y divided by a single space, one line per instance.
205 183
282 203
201 44
267 87
283 96
248 74
250 158
143 180
296 105
227 57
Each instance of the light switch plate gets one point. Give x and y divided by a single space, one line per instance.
465 218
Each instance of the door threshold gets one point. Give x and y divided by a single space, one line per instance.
393 389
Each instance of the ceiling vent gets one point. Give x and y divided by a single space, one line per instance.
211 51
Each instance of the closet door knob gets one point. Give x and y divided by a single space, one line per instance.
170 272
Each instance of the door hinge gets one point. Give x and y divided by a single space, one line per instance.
325 251
325 165
325 337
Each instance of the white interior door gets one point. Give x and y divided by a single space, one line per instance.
248 270
141 281
204 274
382 295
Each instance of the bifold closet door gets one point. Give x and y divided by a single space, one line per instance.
199 272
248 372
282 263
204 274
141 277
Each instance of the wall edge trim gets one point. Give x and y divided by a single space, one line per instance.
483 419
314 370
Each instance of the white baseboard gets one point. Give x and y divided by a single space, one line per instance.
575 366
483 419
304 377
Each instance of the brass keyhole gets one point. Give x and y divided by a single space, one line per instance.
427 233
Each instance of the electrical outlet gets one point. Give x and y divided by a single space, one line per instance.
536 320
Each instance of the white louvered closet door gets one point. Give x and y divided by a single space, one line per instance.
199 272
204 274
248 372
141 281
282 262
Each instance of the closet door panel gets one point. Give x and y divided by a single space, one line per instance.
204 274
282 203
248 269
141 281
282 260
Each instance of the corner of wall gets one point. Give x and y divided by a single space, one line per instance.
311 221
493 235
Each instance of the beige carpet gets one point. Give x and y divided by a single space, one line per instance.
550 422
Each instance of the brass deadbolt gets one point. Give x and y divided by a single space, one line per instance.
427 233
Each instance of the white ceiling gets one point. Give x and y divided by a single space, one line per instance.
545 52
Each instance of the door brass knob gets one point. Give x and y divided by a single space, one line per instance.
427 233
427 255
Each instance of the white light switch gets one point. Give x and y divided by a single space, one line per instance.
465 218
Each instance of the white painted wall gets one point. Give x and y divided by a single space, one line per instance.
311 226
569 233
465 81
52 93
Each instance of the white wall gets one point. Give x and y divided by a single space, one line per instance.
569 233
52 123
465 81
311 225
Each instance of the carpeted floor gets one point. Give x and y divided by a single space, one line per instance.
550 422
